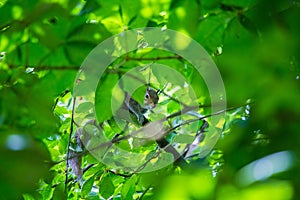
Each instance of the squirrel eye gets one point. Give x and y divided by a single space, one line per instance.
147 96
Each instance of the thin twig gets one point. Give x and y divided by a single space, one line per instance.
75 180
172 98
64 93
140 168
155 58
201 131
119 174
69 144
198 119
147 189
42 68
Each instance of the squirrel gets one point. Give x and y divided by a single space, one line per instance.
150 101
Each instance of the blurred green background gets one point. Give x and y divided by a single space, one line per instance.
255 44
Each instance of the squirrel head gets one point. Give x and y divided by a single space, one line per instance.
151 99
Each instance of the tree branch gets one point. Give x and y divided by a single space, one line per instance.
125 137
146 162
42 68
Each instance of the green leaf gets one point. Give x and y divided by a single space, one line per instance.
211 30
77 51
164 159
89 6
106 187
172 106
94 197
130 17
59 189
210 4
120 11
198 85
184 16
47 192
105 96
49 36
132 20
80 29
82 88
248 24
84 107
183 138
128 188
167 74
28 197
87 186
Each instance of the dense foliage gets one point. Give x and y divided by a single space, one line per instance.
255 45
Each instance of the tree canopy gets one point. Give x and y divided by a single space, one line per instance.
66 137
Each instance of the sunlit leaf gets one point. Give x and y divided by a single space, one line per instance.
128 188
104 97
106 187
84 107
184 16
183 138
87 186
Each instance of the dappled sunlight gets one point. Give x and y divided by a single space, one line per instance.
149 99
